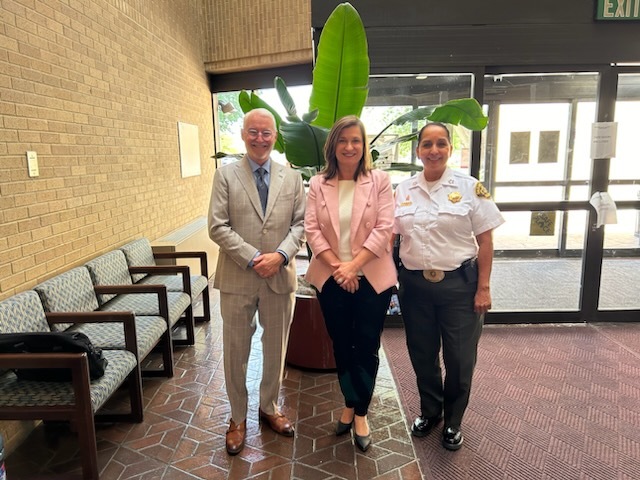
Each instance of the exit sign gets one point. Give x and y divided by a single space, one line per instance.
618 10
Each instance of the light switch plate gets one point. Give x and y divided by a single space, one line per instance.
32 164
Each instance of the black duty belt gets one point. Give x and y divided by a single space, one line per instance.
436 276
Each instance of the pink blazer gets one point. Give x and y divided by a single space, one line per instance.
371 225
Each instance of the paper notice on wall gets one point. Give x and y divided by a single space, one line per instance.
603 139
542 224
605 208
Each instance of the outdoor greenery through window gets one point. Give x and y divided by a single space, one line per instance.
389 97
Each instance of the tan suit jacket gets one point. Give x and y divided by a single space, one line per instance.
238 226
371 224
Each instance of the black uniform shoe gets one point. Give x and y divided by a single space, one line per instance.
423 425
452 438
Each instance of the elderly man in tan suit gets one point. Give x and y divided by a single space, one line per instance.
256 218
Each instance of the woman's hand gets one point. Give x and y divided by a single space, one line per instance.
482 301
344 272
351 286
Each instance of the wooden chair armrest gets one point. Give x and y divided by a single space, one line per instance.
161 269
77 362
135 288
41 360
126 318
204 270
159 290
183 270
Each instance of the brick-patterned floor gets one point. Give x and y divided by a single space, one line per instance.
183 433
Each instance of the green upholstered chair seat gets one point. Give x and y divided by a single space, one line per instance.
16 393
111 335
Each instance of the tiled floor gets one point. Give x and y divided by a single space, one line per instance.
183 433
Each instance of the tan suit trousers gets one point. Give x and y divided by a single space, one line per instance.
275 313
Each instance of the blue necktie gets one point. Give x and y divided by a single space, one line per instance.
263 189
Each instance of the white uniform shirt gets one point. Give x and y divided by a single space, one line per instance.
439 226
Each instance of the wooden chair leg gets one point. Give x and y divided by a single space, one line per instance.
135 395
86 430
206 305
167 353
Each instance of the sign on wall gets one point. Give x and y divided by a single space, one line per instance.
618 10
189 149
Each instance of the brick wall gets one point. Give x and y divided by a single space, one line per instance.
96 88
244 35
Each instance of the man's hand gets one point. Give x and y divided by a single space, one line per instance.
267 264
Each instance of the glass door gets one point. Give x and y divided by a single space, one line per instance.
620 282
536 162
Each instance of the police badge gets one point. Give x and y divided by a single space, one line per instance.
455 197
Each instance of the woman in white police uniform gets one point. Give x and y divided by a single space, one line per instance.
445 219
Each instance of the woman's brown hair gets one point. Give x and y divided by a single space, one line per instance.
330 170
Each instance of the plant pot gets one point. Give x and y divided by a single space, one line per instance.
310 347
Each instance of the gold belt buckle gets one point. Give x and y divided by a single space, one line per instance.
434 276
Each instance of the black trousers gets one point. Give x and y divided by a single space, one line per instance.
354 322
435 315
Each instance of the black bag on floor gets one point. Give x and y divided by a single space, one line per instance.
53 342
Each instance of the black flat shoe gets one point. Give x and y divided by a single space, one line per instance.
363 442
452 438
423 425
342 428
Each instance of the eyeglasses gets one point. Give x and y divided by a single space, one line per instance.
253 134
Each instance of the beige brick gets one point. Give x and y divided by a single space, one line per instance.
28 225
11 253
15 122
56 263
15 214
8 135
33 274
30 249
40 233
29 137
22 264
5 270
19 239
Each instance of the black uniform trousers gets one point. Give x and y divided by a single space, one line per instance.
435 315
355 322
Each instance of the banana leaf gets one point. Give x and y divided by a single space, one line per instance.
464 111
304 144
399 167
286 100
341 74
250 101
412 116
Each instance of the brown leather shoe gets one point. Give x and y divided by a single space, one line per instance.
235 437
278 423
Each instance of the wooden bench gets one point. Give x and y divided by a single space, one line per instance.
73 292
81 400
144 269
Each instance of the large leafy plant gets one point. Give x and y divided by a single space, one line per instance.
340 88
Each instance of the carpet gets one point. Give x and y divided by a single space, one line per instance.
548 402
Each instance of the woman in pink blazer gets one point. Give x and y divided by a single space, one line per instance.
348 223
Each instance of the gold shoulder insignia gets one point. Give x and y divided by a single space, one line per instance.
481 191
